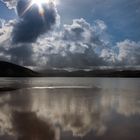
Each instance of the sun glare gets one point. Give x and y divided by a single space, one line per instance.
39 3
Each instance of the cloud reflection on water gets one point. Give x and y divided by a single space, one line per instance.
42 113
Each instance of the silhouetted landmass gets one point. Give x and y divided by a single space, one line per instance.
92 73
12 70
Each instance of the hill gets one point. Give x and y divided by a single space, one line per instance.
92 73
12 70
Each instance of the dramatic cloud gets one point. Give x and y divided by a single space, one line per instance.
76 45
32 23
15 53
19 52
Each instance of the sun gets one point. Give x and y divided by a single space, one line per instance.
39 3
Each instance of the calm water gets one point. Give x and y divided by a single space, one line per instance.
70 109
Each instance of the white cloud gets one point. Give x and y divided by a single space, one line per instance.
10 3
100 26
109 56
128 52
74 46
77 45
5 30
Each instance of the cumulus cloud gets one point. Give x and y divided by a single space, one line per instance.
5 38
128 52
75 45
100 26
6 28
109 56
124 53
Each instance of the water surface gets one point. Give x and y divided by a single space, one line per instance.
70 109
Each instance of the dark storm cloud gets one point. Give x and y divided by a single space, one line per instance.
21 54
31 24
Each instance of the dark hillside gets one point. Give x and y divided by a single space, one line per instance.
12 70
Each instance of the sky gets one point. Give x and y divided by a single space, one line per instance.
64 34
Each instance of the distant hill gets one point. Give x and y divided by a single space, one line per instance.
12 70
92 73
